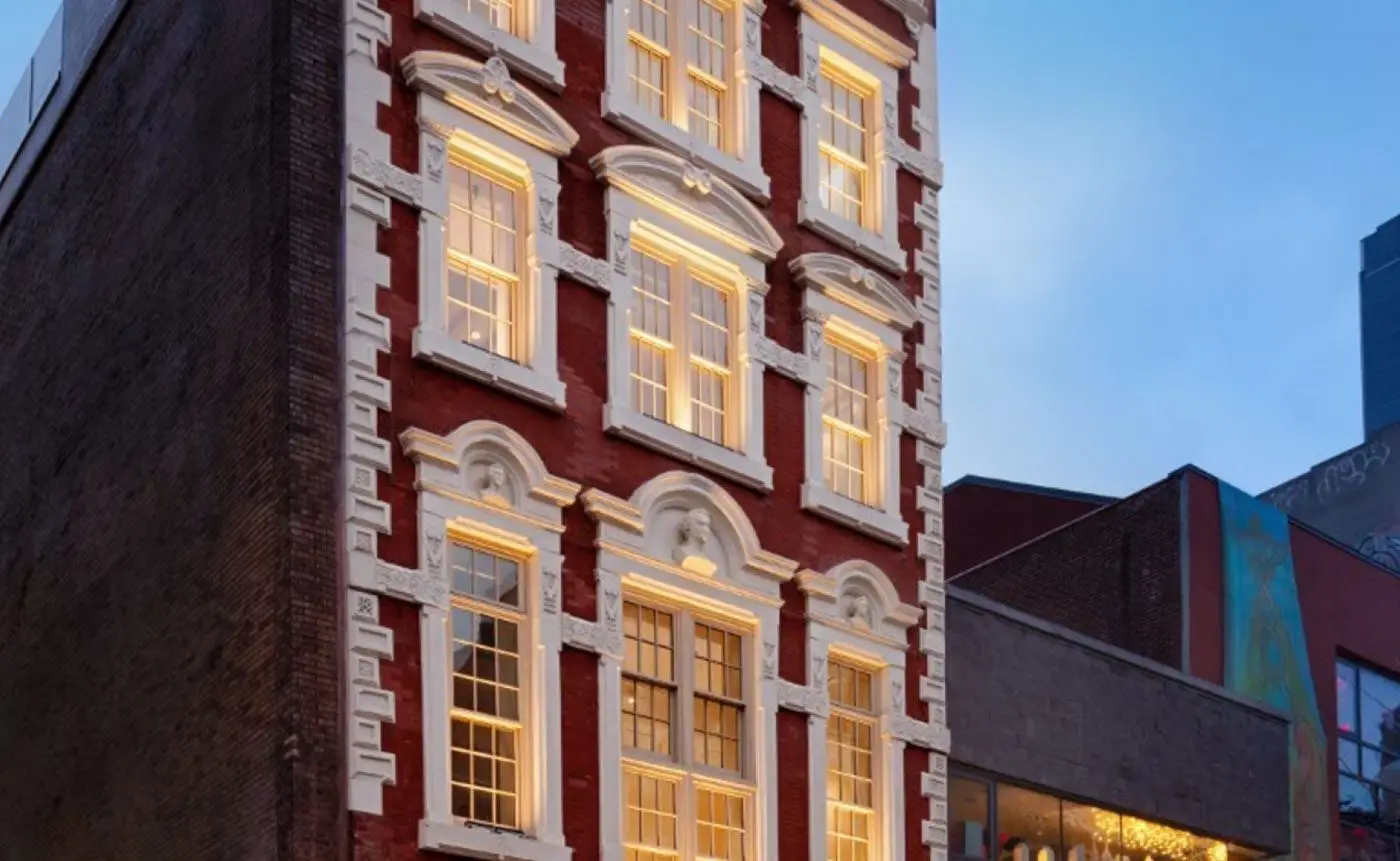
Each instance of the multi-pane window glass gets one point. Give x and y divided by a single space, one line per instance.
486 687
843 146
650 819
499 13
483 280
688 38
660 793
649 56
850 775
719 824
681 331
707 71
648 679
1368 741
846 436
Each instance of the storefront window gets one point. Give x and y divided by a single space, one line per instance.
969 818
1368 743
1032 826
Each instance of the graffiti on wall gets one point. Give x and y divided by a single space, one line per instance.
1266 653
1353 498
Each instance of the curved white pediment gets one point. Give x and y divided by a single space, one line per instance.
691 193
859 596
856 286
486 91
488 462
686 520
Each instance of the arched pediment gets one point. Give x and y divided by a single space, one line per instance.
858 595
856 286
691 193
487 92
689 521
490 463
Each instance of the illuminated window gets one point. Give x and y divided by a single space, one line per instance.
846 434
682 680
843 139
681 346
850 775
486 687
499 13
483 259
679 65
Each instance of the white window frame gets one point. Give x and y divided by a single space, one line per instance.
740 159
872 635
647 551
475 112
859 306
531 51
834 36
486 486
660 198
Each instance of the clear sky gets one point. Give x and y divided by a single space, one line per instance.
1151 229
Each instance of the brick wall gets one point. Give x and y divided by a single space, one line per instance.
1113 575
168 667
573 444
1045 708
983 520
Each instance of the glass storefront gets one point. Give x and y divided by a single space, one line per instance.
1368 763
997 821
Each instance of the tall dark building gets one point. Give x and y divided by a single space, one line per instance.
1380 326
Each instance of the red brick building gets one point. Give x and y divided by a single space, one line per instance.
643 430
1147 574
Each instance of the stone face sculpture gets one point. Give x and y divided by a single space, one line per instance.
695 532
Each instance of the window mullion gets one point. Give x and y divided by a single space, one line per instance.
678 23
680 338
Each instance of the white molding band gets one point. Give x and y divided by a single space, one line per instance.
739 157
530 50
369 184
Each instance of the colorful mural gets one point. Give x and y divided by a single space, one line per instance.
1266 653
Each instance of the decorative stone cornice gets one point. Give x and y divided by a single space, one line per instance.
859 32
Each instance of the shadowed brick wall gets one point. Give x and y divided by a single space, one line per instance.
983 519
1114 575
1045 707
169 664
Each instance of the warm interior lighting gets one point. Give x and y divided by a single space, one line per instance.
1148 838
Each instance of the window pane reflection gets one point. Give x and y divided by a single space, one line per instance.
1028 825
969 809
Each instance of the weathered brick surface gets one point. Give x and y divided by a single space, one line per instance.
1041 708
168 654
1114 575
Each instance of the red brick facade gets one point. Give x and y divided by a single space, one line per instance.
574 445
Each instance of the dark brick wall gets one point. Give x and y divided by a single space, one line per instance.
168 655
1046 708
983 521
1114 575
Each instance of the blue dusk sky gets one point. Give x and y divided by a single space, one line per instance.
1151 230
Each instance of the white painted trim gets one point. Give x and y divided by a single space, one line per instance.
829 302
370 181
485 483
877 239
656 546
454 129
854 610
739 160
531 52
663 200
846 25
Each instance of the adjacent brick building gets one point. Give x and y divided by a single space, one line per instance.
1148 574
